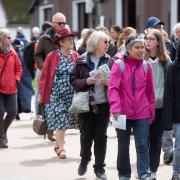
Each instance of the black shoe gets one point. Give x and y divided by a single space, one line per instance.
168 157
3 145
82 168
101 176
50 135
51 138
6 139
17 117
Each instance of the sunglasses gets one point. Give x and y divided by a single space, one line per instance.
61 23
106 42
137 37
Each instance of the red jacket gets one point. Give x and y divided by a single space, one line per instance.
11 73
47 74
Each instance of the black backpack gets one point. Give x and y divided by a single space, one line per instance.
28 56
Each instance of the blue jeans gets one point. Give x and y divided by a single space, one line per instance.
141 134
167 141
176 155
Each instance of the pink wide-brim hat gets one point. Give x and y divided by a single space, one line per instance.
63 33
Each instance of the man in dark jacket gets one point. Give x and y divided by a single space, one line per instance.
46 45
171 113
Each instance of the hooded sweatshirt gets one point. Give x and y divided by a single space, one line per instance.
158 70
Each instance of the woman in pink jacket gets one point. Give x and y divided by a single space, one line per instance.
10 75
131 93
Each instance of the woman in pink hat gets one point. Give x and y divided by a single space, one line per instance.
56 92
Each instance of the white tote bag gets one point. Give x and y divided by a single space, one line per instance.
80 103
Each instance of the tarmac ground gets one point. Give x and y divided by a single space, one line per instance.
30 157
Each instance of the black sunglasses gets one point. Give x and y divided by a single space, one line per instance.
61 23
106 42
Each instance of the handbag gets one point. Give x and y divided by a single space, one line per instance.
39 126
80 103
39 123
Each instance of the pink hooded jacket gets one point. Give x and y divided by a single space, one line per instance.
131 92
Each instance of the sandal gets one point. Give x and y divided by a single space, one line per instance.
62 154
56 150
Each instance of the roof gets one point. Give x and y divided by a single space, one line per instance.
16 11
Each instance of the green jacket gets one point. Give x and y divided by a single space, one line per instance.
45 46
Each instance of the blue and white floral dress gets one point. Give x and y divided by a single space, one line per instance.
56 110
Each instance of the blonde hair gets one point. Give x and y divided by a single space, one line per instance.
4 32
161 52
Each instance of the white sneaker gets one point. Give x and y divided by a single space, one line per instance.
153 176
145 177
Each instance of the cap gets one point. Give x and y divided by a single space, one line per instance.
18 43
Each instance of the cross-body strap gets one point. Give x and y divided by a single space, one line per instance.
4 65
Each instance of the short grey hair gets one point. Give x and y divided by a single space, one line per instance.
4 32
176 26
94 39
57 16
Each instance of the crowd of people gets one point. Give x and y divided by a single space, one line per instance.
142 84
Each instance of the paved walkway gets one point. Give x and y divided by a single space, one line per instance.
30 157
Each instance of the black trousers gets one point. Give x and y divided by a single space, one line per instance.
8 103
155 140
93 128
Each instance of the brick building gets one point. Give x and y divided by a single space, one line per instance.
90 13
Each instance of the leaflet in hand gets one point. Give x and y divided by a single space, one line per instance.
103 72
120 123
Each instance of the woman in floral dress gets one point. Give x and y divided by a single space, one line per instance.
56 92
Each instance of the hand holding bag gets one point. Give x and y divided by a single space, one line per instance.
80 103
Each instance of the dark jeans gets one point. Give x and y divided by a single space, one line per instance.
141 134
155 140
93 127
8 103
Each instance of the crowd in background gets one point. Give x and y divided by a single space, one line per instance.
143 85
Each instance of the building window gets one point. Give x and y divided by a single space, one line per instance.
45 13
48 14
178 10
129 13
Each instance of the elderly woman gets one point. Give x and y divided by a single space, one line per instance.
10 75
56 92
131 93
93 124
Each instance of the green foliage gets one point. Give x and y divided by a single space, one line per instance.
16 11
